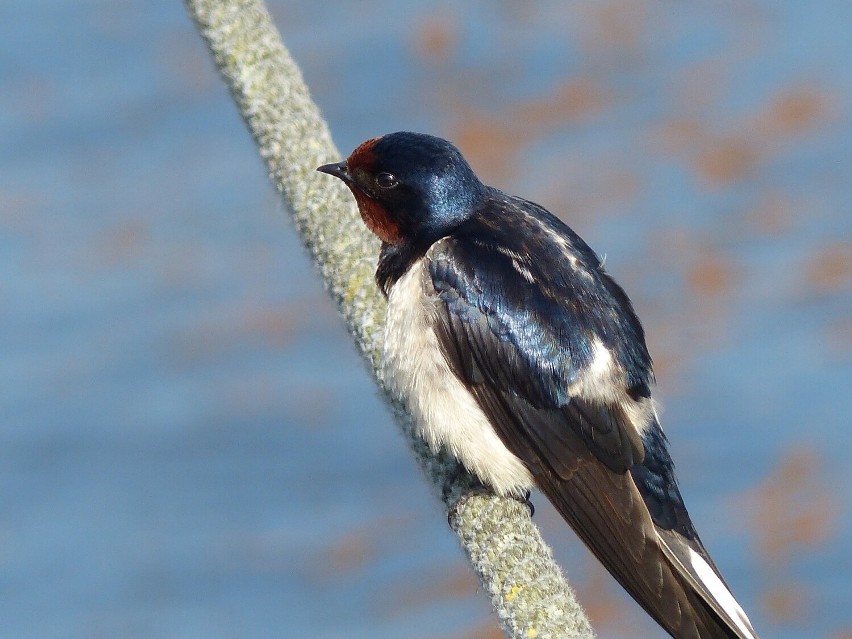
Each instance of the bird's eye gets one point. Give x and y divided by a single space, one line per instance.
386 180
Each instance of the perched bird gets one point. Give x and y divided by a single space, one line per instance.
520 355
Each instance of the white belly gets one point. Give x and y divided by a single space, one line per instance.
445 414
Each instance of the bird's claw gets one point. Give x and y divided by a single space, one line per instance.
525 500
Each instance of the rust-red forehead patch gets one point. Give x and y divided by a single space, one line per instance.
364 157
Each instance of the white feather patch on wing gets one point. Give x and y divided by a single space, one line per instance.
444 412
605 381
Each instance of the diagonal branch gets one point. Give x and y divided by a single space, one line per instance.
527 589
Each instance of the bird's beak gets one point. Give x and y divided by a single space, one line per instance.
338 170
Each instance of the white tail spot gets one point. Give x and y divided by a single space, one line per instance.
722 595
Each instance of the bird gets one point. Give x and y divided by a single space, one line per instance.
523 358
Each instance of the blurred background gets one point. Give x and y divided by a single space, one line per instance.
189 446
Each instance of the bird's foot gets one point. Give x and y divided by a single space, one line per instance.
525 500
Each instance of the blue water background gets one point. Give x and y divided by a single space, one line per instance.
189 446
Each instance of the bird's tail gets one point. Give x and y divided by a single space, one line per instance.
670 576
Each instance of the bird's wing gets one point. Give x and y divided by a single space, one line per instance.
513 348
535 342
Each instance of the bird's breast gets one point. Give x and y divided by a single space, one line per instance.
444 411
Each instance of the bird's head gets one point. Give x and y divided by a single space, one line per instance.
410 187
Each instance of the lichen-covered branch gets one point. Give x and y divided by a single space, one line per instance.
527 589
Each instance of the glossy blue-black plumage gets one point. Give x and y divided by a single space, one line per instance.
530 310
554 319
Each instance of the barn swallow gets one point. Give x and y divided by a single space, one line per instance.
517 353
